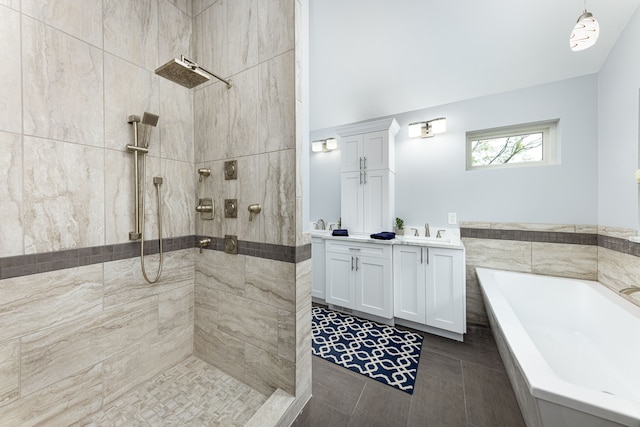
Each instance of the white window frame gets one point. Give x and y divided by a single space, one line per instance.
550 145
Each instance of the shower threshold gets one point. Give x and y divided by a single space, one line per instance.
191 393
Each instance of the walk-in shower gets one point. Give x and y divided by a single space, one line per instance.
187 73
140 150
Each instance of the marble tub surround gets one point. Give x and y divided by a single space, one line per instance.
618 271
577 251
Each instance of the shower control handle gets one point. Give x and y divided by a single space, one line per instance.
253 210
205 208
203 172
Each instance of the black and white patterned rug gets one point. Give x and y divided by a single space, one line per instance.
381 352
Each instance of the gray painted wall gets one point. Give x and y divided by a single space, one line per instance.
431 179
618 84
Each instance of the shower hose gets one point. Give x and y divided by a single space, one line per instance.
157 184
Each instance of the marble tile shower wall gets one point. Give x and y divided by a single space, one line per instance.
576 251
251 313
72 339
77 72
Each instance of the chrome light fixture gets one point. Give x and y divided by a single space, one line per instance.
585 33
427 129
324 145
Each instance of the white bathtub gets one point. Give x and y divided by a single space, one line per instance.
571 348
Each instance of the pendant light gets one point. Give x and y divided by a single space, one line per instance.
585 33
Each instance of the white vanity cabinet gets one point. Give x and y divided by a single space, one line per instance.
317 257
409 279
429 288
358 276
367 175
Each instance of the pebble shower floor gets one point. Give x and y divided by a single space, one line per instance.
192 393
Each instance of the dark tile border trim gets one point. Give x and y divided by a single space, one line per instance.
263 250
613 243
24 265
531 236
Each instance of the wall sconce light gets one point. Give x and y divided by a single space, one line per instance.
324 145
427 129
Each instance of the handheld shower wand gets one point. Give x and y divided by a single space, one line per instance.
148 120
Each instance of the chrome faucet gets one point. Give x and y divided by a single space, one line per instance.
438 235
415 231
320 223
426 230
629 291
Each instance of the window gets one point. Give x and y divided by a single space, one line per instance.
520 145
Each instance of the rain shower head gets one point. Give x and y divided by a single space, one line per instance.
183 72
187 73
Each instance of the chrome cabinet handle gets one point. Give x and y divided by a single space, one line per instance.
360 177
427 256
421 260
351 263
365 163
356 263
360 162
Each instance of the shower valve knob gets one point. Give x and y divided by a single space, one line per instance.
254 209
205 208
203 172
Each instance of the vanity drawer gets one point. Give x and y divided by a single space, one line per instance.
376 250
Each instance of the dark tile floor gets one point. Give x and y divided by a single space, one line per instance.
458 384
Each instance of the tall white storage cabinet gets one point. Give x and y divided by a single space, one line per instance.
368 175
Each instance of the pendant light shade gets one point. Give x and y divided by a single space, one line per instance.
585 33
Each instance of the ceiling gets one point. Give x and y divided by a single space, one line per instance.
372 58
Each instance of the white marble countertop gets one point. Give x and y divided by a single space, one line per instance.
451 240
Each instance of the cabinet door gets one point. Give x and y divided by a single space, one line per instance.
374 289
446 290
317 260
351 153
409 278
351 201
376 150
340 272
376 209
